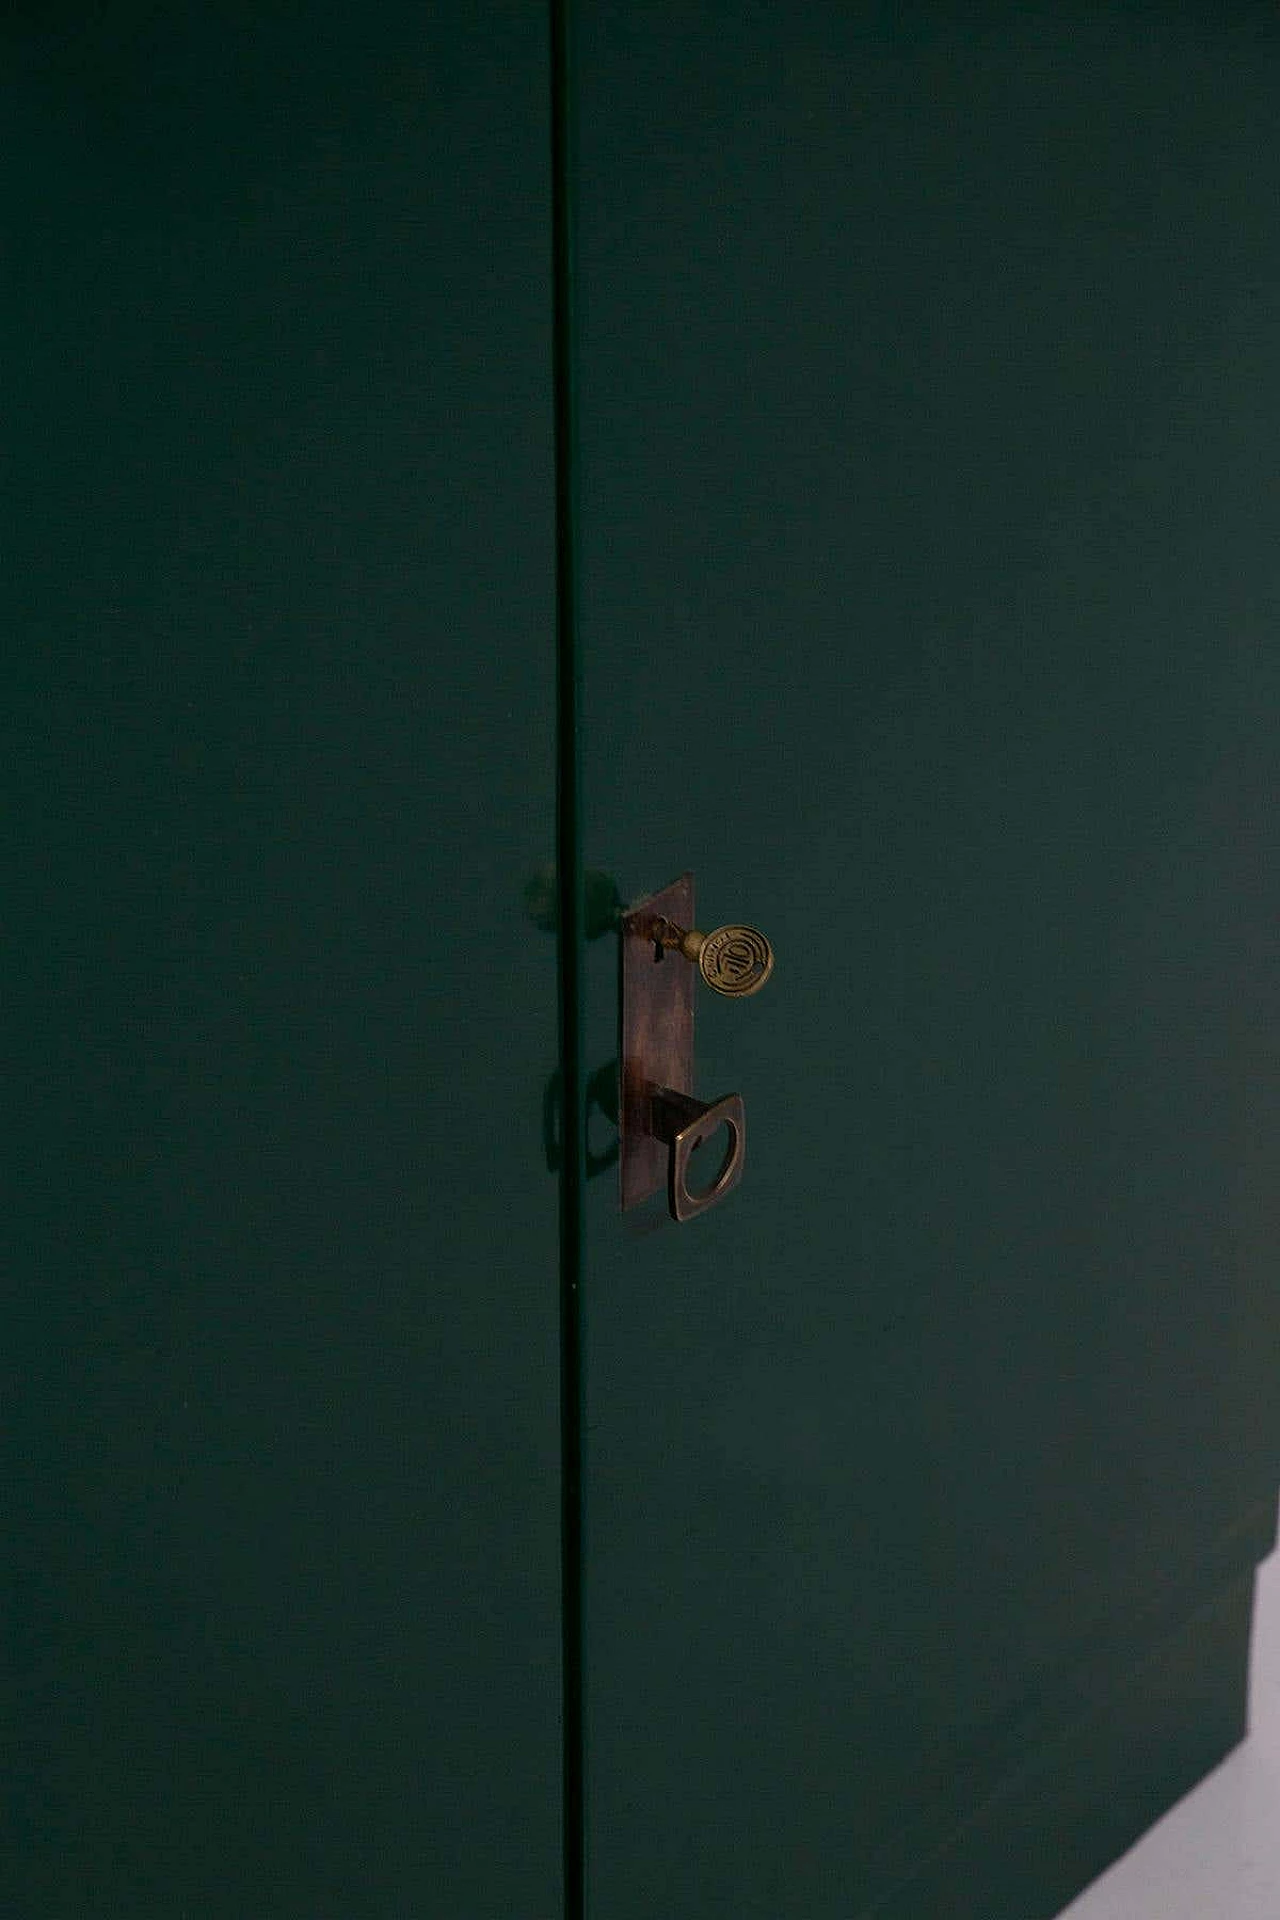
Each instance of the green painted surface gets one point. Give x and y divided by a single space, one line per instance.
281 1608
929 595
925 388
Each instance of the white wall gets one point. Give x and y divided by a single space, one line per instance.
1217 1855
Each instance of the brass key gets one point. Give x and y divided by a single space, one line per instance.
733 960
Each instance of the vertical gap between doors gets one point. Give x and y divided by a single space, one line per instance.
570 939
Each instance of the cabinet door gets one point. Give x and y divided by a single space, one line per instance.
281 1420
927 382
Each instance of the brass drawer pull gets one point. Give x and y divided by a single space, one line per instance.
684 1123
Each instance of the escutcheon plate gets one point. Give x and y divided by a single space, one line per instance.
656 1048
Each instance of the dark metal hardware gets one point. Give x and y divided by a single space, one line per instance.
662 1125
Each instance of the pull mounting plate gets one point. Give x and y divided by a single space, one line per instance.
661 1125
657 1035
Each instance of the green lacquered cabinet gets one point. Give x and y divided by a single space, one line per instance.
281 1428
927 381
918 419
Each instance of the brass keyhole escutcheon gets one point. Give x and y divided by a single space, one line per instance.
735 961
662 1125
